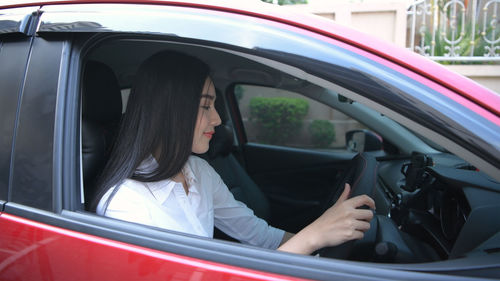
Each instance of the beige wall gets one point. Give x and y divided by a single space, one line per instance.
486 75
387 19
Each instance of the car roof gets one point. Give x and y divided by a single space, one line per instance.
467 88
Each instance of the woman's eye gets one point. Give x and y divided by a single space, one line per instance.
206 107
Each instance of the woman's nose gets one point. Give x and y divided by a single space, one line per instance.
215 118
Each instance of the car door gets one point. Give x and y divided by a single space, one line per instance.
51 235
46 233
38 239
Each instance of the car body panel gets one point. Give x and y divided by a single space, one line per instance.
227 260
43 248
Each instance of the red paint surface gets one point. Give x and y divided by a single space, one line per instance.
34 251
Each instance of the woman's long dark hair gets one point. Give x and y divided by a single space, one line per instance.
160 118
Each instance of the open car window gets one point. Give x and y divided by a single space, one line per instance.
252 85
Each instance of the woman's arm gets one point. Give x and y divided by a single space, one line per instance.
340 223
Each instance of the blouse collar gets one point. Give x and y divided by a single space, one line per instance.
162 189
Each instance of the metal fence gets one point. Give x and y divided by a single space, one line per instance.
455 30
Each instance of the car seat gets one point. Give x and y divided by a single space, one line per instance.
101 114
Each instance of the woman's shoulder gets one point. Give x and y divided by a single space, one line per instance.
198 163
201 168
126 194
131 186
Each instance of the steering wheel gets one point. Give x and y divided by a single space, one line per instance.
362 176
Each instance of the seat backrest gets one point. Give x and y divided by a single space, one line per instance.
101 114
244 189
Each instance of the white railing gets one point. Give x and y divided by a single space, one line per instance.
455 30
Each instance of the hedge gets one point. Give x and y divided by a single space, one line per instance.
322 133
278 118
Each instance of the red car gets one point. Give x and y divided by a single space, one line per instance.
66 68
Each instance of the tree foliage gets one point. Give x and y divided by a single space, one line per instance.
322 133
278 118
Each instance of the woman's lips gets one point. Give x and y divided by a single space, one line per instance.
209 135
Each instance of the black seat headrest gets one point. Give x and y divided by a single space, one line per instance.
101 114
93 151
222 143
102 102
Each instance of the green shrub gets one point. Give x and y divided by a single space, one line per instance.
322 133
238 92
278 118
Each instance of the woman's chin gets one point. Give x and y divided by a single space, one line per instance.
200 150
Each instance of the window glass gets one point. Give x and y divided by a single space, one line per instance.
280 117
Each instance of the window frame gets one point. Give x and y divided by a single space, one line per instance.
12 79
207 249
16 40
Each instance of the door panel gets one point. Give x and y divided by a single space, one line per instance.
61 254
293 148
296 181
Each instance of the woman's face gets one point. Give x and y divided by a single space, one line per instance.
207 119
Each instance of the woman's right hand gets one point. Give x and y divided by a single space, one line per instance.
342 222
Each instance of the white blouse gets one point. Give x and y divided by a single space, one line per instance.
165 204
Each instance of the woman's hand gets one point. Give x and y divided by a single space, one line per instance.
340 223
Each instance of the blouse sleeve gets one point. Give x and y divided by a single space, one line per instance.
238 221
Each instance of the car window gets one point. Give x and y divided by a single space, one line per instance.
280 117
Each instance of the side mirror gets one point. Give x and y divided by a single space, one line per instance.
363 140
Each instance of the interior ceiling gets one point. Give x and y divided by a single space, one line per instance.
125 56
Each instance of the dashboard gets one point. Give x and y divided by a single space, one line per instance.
434 207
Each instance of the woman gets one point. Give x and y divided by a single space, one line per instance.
152 177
